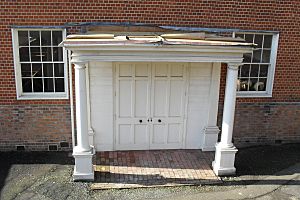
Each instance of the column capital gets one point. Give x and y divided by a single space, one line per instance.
234 66
79 65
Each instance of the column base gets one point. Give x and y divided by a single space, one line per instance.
210 138
224 160
83 169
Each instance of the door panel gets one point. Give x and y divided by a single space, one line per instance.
176 98
133 109
141 134
141 98
125 136
160 90
168 97
150 99
125 95
174 134
158 134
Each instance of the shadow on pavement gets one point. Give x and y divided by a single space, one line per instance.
266 160
7 159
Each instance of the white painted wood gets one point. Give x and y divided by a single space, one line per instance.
211 130
225 150
138 85
229 105
198 103
168 105
102 101
91 132
132 105
82 152
81 108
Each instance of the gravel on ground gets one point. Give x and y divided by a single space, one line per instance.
48 175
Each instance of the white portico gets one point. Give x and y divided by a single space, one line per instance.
143 92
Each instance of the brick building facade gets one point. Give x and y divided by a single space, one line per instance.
40 123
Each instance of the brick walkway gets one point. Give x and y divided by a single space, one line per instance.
126 169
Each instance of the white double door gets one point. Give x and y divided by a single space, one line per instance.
150 106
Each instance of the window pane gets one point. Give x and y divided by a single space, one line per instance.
245 71
59 70
37 85
23 38
26 70
239 72
249 38
24 54
35 54
39 73
48 69
252 83
34 38
36 70
46 38
243 85
258 39
46 54
247 57
59 85
266 56
26 85
263 70
254 70
48 84
56 37
239 36
267 41
57 54
256 56
261 86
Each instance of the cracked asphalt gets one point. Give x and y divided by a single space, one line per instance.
264 173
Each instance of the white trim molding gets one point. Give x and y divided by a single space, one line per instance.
225 150
271 69
83 152
211 131
17 68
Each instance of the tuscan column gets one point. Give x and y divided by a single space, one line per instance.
82 152
225 150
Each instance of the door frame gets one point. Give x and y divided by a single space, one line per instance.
186 96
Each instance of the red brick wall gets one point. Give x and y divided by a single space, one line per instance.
274 15
265 123
35 126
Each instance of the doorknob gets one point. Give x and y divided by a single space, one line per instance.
159 120
140 121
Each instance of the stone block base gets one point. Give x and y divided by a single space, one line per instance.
83 169
224 160
210 138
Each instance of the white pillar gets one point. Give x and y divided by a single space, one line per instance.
82 152
225 150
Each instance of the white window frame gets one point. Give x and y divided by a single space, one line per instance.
271 69
17 67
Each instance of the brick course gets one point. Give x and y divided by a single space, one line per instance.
35 126
272 15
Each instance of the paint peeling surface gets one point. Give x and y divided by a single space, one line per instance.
191 39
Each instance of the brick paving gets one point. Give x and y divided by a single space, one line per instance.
126 169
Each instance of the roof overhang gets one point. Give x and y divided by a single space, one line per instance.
187 47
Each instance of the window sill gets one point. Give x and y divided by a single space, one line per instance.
42 96
253 95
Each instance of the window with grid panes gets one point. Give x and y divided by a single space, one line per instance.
255 75
40 62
